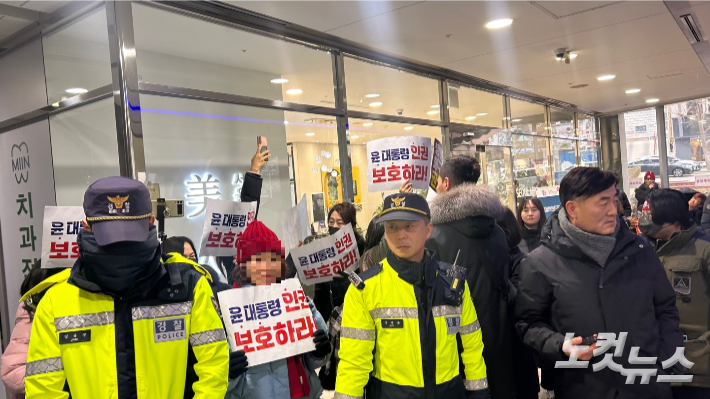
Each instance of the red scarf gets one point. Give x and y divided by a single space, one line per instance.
298 382
297 378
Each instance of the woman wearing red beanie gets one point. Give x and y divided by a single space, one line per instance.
260 261
645 189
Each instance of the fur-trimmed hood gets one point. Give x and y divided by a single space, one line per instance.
464 201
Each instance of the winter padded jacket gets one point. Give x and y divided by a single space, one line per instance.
464 219
14 359
562 290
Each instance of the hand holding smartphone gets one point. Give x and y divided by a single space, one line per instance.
261 143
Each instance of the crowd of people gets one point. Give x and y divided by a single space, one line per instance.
455 297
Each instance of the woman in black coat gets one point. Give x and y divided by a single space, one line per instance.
531 218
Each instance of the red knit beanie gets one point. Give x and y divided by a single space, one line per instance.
257 238
649 175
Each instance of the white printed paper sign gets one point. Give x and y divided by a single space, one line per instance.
268 322
295 224
395 159
59 235
225 221
322 259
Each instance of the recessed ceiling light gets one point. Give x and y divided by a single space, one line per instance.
372 95
285 122
409 128
573 55
632 91
652 100
606 77
310 134
368 124
376 104
482 114
434 106
470 118
499 23
76 90
294 92
55 104
432 112
279 81
516 120
355 137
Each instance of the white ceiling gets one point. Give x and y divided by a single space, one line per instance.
10 25
632 40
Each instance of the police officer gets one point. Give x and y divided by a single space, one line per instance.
123 324
410 309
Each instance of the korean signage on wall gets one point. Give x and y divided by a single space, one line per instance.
27 182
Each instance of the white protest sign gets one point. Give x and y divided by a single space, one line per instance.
322 259
394 159
268 322
59 233
295 224
225 221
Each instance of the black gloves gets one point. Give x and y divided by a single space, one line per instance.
322 341
237 364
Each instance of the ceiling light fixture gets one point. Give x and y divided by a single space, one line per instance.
285 122
482 114
434 106
310 134
409 128
372 95
652 100
606 77
517 120
279 81
633 91
376 104
294 92
432 112
76 90
355 137
470 118
499 23
368 124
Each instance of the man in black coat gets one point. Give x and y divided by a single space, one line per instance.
590 276
644 190
464 217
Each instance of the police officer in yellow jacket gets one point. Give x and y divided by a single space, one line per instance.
409 309
123 324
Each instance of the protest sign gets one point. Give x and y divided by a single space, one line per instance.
225 221
268 322
59 234
295 224
436 161
322 259
394 159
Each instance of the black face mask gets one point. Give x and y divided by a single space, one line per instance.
118 267
332 230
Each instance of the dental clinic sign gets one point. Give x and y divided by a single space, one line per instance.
27 182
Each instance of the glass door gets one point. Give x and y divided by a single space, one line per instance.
496 169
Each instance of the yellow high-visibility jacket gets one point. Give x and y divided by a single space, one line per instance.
403 315
97 346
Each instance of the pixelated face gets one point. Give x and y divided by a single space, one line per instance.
406 239
264 268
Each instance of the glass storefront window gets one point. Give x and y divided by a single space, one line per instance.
527 117
84 149
687 125
77 58
586 127
641 148
369 204
228 60
475 107
589 153
561 123
531 168
564 156
379 89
